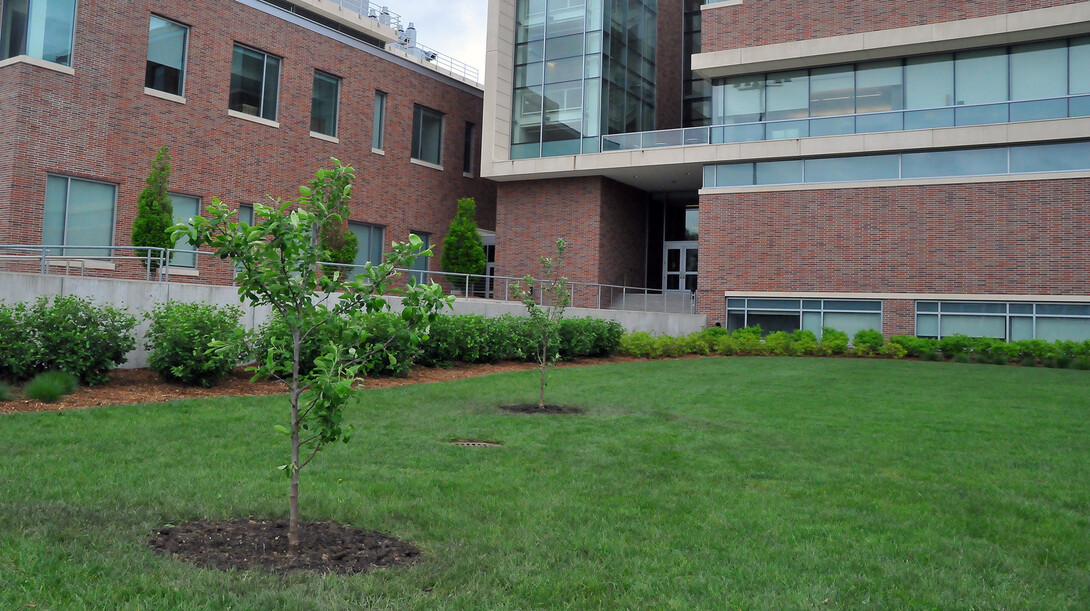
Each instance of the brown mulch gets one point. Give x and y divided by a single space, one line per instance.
246 544
129 386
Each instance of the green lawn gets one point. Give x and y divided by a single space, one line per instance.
715 483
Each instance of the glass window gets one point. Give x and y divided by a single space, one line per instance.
1050 157
427 134
185 208
929 81
847 169
787 95
738 99
166 56
418 270
323 104
255 83
973 326
879 86
78 213
246 214
1039 70
779 172
370 243
973 162
981 76
1070 329
38 28
1079 59
378 126
832 91
787 315
734 175
467 153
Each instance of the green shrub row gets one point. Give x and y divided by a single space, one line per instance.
66 333
1029 352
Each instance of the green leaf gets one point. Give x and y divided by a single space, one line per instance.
283 430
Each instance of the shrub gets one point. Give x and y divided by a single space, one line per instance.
78 337
833 341
463 251
725 345
274 335
154 212
1028 361
440 349
385 335
805 342
747 341
50 386
1082 363
915 346
607 338
668 346
780 344
698 343
931 355
638 344
17 347
715 332
180 342
1064 361
869 339
955 344
576 337
6 393
962 357
893 351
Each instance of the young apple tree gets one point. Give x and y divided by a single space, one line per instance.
546 316
278 262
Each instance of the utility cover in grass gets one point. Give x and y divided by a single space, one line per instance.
249 544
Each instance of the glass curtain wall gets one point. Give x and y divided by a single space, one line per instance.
697 95
581 67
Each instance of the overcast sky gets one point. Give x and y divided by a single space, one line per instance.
452 27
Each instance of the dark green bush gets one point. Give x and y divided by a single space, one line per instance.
869 339
833 341
50 386
274 333
747 341
955 344
1082 363
715 332
962 357
1028 361
179 342
441 348
915 346
930 355
6 393
73 335
18 351
805 342
386 340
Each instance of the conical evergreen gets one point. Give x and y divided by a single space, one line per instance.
463 251
154 211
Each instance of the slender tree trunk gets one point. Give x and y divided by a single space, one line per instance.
544 363
293 497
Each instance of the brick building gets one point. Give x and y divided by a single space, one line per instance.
921 167
251 97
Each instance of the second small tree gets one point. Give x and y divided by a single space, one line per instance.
463 251
546 316
154 213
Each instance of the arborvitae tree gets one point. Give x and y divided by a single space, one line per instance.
463 251
154 211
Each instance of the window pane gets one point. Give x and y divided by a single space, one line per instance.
1021 328
246 214
779 172
13 24
379 124
272 88
185 208
49 30
90 219
927 325
738 99
734 175
1074 329
853 323
929 81
1039 70
974 326
420 264
247 77
855 306
323 104
166 56
974 308
775 304
811 321
832 91
879 86
787 95
427 134
874 167
56 197
1050 157
980 162
467 152
1068 309
1079 66
981 76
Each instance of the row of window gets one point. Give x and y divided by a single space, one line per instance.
982 76
1022 159
937 319
44 29
79 217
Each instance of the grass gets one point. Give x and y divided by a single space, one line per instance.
713 483
50 386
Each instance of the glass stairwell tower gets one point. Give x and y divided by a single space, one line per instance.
583 69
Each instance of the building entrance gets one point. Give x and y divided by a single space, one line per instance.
680 265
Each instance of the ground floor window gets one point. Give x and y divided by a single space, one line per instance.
1006 321
849 316
78 213
419 268
370 244
185 208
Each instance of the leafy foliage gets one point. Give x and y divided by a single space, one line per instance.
154 211
339 245
463 251
833 341
278 259
180 342
868 342
18 350
71 334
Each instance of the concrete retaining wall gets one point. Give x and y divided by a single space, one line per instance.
139 297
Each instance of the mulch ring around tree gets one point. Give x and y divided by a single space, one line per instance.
250 544
533 408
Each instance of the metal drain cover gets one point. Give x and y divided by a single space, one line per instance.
476 444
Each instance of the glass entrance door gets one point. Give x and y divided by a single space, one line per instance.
679 269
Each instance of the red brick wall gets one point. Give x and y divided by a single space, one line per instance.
668 65
1005 238
99 123
603 222
754 23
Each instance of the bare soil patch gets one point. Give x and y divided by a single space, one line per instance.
129 386
248 544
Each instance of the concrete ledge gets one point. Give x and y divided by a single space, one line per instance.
38 63
908 296
155 93
241 115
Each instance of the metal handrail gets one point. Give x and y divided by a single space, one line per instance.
584 294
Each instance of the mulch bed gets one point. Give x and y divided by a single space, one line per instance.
250 544
533 408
